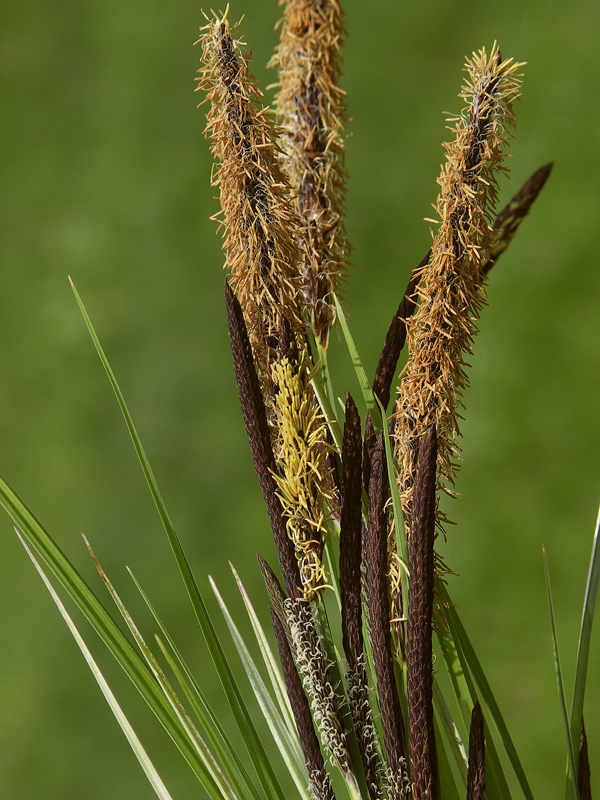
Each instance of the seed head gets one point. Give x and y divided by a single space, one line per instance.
310 110
261 227
451 291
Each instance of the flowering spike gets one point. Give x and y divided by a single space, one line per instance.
255 420
302 482
451 291
310 110
309 654
375 590
419 652
350 535
508 220
276 594
261 227
319 779
395 338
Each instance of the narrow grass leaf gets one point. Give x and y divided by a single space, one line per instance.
332 560
201 747
271 664
466 696
486 694
287 744
456 673
212 729
583 648
447 783
250 736
361 375
135 744
112 636
572 771
445 723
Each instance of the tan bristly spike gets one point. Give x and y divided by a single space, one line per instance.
310 109
451 289
261 228
302 458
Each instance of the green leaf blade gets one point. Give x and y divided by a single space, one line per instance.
583 647
254 746
571 772
149 769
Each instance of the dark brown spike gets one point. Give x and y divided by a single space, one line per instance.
419 651
257 429
476 772
375 591
350 591
396 337
583 772
508 220
276 594
319 779
369 445
350 535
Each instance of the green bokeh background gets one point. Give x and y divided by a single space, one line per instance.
106 178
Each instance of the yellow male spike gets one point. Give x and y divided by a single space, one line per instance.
304 480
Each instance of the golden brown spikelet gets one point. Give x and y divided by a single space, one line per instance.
451 291
311 112
303 480
261 227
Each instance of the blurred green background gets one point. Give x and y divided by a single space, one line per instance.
105 177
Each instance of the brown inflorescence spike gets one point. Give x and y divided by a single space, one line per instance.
257 429
350 597
319 779
375 591
476 771
451 292
369 444
310 109
350 535
388 360
276 594
584 785
419 651
508 220
261 226
396 337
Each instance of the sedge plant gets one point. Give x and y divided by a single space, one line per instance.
369 683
